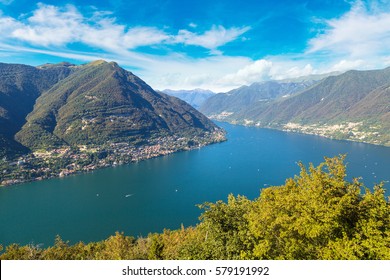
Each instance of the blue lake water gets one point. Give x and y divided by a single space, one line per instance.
162 193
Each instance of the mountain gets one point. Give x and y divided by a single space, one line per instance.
20 86
63 105
353 106
195 97
239 99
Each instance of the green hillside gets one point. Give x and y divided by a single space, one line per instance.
20 86
327 100
63 119
62 105
102 102
353 106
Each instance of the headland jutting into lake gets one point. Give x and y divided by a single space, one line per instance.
60 162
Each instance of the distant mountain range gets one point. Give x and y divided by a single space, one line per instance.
241 98
57 105
354 106
195 97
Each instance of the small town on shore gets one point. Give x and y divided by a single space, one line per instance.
65 161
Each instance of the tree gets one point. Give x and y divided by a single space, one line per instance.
319 215
223 232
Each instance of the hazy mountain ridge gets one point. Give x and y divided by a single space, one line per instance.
241 98
194 97
353 106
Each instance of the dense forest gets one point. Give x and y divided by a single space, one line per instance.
318 214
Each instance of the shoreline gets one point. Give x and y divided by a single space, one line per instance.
286 128
66 161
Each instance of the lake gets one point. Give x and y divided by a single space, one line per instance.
163 192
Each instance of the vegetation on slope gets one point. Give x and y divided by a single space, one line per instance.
20 86
80 118
102 102
64 105
316 215
352 106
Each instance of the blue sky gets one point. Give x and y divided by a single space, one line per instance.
217 45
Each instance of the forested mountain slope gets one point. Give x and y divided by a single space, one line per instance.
57 105
102 102
353 105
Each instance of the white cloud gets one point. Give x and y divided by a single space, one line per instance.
193 25
52 26
144 36
275 68
361 32
58 26
63 54
175 72
215 37
7 25
285 70
254 72
345 65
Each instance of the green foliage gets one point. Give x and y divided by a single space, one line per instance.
117 247
20 86
316 215
223 231
17 252
156 247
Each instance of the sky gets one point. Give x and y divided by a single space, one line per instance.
211 44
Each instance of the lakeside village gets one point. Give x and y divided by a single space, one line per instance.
61 162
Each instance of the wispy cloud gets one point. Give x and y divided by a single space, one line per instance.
361 32
193 25
50 26
212 39
83 56
58 26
